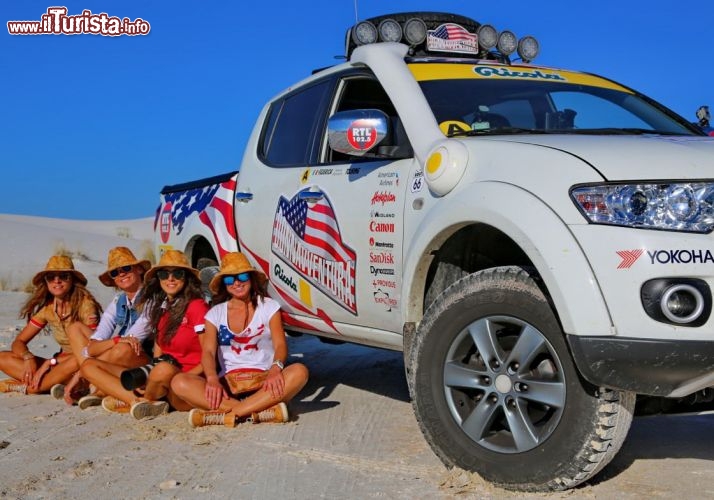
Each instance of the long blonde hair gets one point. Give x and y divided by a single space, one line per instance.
41 296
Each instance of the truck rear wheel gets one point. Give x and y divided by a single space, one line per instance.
496 391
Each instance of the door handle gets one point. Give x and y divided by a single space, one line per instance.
310 196
244 197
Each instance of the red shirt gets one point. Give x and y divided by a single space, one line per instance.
185 346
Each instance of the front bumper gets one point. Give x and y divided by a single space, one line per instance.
667 368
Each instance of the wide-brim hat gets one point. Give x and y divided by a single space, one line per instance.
59 264
234 263
119 257
171 258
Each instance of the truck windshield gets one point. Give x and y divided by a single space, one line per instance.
535 105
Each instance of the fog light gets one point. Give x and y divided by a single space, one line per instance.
682 303
677 301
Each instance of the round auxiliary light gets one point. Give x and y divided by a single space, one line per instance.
528 48
364 33
415 31
507 43
487 36
389 31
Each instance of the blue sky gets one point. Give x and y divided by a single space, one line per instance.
93 127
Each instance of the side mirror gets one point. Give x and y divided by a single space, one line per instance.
357 132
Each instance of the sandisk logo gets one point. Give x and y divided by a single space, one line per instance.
629 257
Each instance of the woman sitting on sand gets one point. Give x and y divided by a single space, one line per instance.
244 329
120 337
59 300
172 302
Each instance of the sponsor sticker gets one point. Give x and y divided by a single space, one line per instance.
383 197
451 37
165 223
417 182
307 237
665 256
362 135
381 297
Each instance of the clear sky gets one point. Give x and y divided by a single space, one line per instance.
92 127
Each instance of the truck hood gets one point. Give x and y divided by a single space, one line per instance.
641 157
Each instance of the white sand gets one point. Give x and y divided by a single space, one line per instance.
352 435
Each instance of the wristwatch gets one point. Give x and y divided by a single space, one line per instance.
279 364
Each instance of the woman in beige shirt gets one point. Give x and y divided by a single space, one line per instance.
59 300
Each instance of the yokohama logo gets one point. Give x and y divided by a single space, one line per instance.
628 257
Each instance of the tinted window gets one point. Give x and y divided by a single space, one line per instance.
290 131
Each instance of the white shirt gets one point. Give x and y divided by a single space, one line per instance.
251 348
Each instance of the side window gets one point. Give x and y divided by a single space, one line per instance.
361 92
289 135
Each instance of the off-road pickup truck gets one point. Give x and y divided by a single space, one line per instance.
537 241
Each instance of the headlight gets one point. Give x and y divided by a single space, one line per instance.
671 207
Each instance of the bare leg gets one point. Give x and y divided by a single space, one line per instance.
13 365
78 334
105 377
159 382
191 390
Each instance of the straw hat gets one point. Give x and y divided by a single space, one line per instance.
233 263
119 257
58 264
171 258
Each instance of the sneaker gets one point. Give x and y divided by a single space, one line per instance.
57 391
143 409
199 418
275 414
12 385
89 400
114 405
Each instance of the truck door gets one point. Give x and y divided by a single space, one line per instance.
328 231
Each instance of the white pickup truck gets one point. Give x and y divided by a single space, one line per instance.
537 241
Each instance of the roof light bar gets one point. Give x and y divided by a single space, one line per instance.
507 43
487 36
528 48
415 31
389 31
364 33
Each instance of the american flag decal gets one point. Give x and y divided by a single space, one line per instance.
307 237
214 207
450 37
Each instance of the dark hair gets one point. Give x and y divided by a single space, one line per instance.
257 289
153 298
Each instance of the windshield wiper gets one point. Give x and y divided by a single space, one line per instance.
621 131
498 131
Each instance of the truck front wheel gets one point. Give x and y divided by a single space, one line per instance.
496 391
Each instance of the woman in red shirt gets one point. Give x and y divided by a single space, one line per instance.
174 307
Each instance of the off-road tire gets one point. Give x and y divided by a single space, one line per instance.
565 429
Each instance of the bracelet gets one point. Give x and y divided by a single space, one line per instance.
85 352
116 339
27 356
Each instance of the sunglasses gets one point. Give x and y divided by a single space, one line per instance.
50 277
242 277
119 270
164 274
